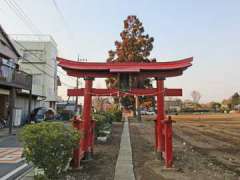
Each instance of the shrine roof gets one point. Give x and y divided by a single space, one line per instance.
123 66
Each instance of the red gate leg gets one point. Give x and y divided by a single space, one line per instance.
160 114
162 137
168 143
88 154
87 108
156 136
91 140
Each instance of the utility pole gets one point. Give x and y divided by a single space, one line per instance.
11 109
77 86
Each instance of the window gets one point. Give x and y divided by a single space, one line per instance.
7 67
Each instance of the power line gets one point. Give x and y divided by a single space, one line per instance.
33 55
28 22
27 17
39 67
59 11
63 19
45 71
19 12
22 16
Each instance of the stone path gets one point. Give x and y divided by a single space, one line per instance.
11 163
124 166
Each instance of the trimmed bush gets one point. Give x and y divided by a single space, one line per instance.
117 116
116 113
49 146
104 121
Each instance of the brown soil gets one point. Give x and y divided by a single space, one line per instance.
142 148
205 147
105 157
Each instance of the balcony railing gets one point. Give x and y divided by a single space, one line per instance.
10 77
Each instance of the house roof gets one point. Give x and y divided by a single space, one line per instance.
10 44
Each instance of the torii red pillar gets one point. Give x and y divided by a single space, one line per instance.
87 108
159 146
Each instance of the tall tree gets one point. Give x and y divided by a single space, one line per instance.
134 46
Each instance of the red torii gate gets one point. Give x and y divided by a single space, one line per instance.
158 70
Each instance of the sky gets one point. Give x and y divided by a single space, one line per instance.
206 30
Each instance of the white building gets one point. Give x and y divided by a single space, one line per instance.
38 58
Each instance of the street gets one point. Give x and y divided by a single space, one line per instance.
11 162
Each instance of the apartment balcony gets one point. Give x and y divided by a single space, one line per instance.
10 77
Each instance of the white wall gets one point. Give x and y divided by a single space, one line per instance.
21 102
44 83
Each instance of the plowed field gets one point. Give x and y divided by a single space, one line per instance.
205 147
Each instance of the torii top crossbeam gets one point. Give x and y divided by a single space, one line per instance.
101 69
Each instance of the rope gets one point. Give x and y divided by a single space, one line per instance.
127 93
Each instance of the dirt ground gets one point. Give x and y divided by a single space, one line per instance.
205 147
105 157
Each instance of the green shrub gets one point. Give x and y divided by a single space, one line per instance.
104 120
49 146
103 123
117 116
116 113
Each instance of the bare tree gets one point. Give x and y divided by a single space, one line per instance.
196 96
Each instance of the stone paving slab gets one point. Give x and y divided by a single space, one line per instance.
10 155
124 166
11 162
